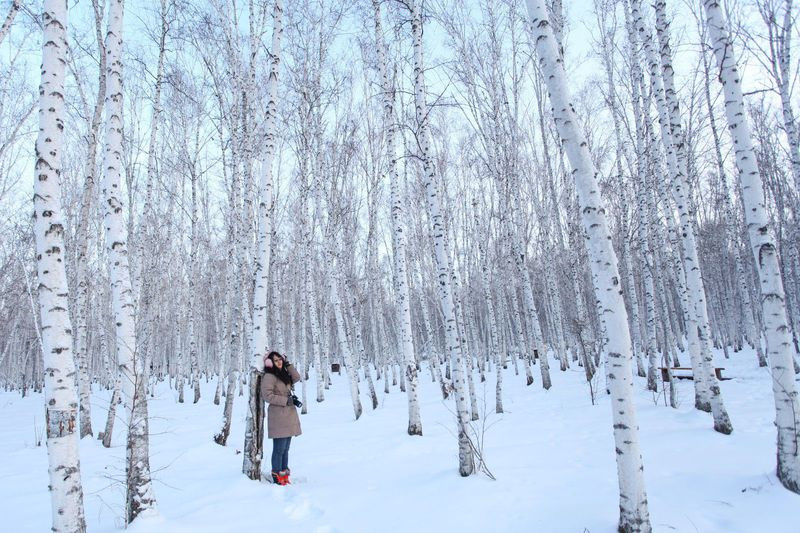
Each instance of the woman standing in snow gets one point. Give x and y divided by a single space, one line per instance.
282 420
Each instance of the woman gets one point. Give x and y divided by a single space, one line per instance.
282 420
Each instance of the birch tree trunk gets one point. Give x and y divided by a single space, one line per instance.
403 303
362 353
517 321
192 275
662 86
493 346
466 460
531 313
745 303
133 377
254 425
12 14
673 143
779 38
82 237
61 402
634 515
344 349
149 259
228 350
630 280
765 253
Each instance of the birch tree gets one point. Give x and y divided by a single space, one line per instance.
82 234
255 416
61 402
12 14
133 377
634 515
465 453
765 253
403 304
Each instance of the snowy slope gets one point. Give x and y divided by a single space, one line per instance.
551 452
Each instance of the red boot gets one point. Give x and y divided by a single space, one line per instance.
277 479
283 477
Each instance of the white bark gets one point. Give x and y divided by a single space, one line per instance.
516 318
672 138
634 516
145 277
12 14
192 280
531 313
403 303
131 368
254 425
765 253
310 309
344 349
82 238
61 402
645 250
493 346
259 331
362 353
465 453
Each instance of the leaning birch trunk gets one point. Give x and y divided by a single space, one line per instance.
763 244
630 281
12 14
634 516
254 426
344 349
466 458
531 312
721 421
403 303
663 90
672 140
61 401
145 277
362 352
645 250
82 241
139 496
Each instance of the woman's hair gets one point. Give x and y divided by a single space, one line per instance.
280 373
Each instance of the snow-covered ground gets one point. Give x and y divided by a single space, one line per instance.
551 452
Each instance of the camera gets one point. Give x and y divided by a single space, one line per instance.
296 401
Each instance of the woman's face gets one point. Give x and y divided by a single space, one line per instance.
278 360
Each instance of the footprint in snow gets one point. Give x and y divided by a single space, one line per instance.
298 507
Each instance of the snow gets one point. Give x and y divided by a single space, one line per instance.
551 452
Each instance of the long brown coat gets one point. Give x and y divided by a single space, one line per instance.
282 419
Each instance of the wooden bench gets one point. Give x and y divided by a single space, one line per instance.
682 375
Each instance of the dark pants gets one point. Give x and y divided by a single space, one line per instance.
280 453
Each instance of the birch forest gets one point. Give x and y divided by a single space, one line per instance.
460 207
